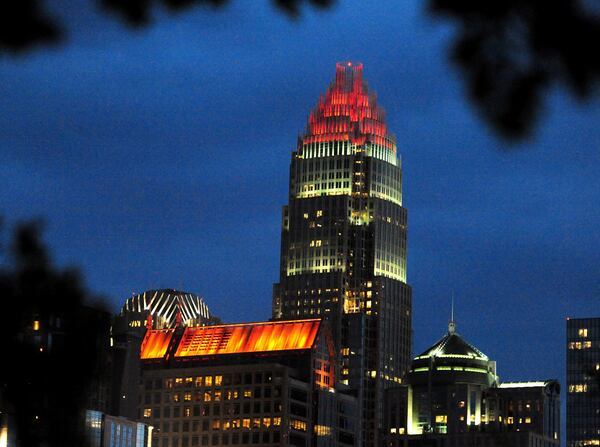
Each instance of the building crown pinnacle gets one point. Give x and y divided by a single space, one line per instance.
452 323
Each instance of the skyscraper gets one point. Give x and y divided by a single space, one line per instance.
583 381
343 243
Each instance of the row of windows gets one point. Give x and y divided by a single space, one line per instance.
216 395
204 410
244 438
587 344
220 424
211 380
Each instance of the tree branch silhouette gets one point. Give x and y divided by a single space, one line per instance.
511 53
49 336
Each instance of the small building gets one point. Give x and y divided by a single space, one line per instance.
267 383
103 430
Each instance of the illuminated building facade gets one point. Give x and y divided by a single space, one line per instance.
262 384
159 309
343 244
453 396
583 382
103 430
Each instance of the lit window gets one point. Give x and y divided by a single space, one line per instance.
247 393
255 422
297 425
246 423
582 332
277 421
169 383
306 215
441 419
187 397
578 388
208 380
207 396
189 379
218 380
217 396
36 325
216 424
266 422
147 412
187 412
509 420
319 213
528 420
325 430
175 397
178 381
198 382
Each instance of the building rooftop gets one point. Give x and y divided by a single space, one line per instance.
453 345
233 339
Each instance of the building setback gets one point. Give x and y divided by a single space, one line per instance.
343 243
583 382
269 383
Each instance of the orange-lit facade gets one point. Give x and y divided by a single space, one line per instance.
155 344
266 383
244 338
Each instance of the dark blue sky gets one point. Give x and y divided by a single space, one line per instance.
159 158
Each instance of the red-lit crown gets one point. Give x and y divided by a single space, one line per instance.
348 112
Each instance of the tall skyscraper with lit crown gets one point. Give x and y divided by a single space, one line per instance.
343 244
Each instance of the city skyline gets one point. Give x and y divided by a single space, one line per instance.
139 194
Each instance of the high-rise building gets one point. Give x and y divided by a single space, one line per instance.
267 384
583 382
343 243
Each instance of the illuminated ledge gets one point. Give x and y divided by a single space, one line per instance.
522 384
248 338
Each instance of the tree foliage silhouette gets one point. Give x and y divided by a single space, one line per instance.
48 339
510 52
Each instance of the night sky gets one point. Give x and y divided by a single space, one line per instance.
159 158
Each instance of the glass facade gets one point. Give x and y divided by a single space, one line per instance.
343 247
583 382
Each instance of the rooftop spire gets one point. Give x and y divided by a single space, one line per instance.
452 323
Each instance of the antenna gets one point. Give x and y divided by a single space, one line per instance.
452 323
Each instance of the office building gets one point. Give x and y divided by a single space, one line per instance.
343 243
269 383
103 430
156 309
583 382
453 396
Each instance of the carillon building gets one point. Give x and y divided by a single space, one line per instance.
343 243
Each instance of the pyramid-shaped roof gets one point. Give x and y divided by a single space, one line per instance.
453 345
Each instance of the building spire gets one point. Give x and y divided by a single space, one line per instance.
452 323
